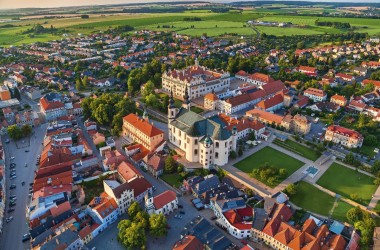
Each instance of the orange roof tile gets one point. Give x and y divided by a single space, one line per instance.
142 125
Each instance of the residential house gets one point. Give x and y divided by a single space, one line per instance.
122 193
155 164
317 95
339 99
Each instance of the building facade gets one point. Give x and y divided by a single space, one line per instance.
141 131
204 141
196 80
344 136
317 95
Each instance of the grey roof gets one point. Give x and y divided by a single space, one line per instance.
196 126
227 205
259 219
67 238
210 182
208 234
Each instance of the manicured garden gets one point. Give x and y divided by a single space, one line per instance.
299 149
275 159
348 183
317 201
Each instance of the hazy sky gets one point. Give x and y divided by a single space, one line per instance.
11 4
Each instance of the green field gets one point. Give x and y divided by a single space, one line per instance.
315 200
275 158
298 149
213 24
371 26
345 182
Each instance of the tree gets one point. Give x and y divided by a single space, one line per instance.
240 152
354 214
370 140
148 89
14 132
16 93
350 158
169 164
142 218
233 155
26 130
131 235
283 172
151 100
85 16
249 192
157 224
291 189
133 209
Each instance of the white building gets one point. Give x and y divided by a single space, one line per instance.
317 95
196 80
203 140
164 203
122 193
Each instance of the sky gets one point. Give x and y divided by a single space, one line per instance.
12 4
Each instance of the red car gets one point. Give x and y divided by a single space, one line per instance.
244 242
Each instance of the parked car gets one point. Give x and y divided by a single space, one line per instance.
7 141
11 210
244 242
13 186
12 157
13 177
12 204
12 196
25 237
9 219
23 183
180 206
182 212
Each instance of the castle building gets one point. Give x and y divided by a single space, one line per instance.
203 140
197 80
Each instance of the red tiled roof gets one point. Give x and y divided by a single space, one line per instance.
344 131
46 105
235 218
189 242
265 116
164 198
314 91
106 206
60 209
270 102
127 171
211 97
139 185
142 125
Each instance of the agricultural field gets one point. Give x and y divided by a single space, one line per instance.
371 26
213 24
348 183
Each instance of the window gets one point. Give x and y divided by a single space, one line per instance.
216 155
217 144
196 141
195 151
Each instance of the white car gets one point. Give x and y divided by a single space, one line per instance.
13 177
9 219
12 158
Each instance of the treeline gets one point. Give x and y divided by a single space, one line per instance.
303 3
124 28
192 19
39 29
338 25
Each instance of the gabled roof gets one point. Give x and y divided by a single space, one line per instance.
127 171
139 185
164 198
144 126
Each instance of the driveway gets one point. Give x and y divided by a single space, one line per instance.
14 230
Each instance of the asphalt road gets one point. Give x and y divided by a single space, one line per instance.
14 230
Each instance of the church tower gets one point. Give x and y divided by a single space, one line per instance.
149 206
186 100
172 110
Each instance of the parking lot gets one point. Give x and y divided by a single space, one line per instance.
24 153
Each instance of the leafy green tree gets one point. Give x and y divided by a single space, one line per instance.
158 223
142 218
291 189
133 210
26 130
148 89
370 140
282 172
151 100
240 152
131 235
14 132
354 214
350 158
170 164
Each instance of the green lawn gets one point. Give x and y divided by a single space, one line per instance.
299 149
171 179
340 211
275 158
196 109
345 181
317 201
